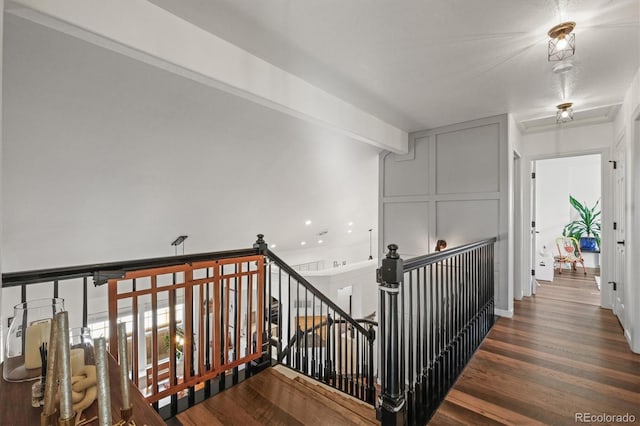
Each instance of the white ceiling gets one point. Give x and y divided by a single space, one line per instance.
421 64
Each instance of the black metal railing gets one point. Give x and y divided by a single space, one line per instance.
309 333
35 284
435 310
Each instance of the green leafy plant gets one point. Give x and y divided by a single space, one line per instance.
589 223
179 343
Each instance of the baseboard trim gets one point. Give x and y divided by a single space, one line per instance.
627 335
504 313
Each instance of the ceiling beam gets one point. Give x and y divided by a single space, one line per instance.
146 32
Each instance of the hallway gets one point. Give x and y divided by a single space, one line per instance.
559 356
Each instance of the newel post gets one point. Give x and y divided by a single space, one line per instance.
265 360
260 245
389 276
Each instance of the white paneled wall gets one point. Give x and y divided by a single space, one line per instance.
1 98
453 185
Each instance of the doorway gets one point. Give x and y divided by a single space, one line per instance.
556 182
345 299
517 226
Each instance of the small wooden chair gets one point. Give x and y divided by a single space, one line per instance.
569 252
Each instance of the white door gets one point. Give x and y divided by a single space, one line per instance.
517 228
620 198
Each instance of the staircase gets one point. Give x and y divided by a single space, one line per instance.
204 333
279 395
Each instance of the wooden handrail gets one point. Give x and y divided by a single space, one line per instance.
436 257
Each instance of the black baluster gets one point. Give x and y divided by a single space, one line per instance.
279 319
419 338
290 363
84 302
410 392
298 363
371 392
333 364
305 356
340 351
313 337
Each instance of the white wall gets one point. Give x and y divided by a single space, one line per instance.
562 142
178 46
556 179
1 203
353 253
516 224
453 185
106 158
361 276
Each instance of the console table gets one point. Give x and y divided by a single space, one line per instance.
15 403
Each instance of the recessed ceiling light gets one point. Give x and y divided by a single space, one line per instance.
350 224
320 241
302 243
307 222
273 246
349 231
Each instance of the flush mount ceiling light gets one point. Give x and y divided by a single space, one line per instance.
562 43
565 112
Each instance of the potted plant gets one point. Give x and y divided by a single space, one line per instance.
179 342
586 229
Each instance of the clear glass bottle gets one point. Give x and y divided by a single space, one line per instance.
30 327
81 345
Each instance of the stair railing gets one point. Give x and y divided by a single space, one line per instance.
312 335
202 346
435 310
228 314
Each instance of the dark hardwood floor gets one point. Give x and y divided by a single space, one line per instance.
572 286
559 356
275 397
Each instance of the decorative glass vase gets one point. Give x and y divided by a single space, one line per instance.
81 344
30 327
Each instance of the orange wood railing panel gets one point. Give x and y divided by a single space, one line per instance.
235 289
